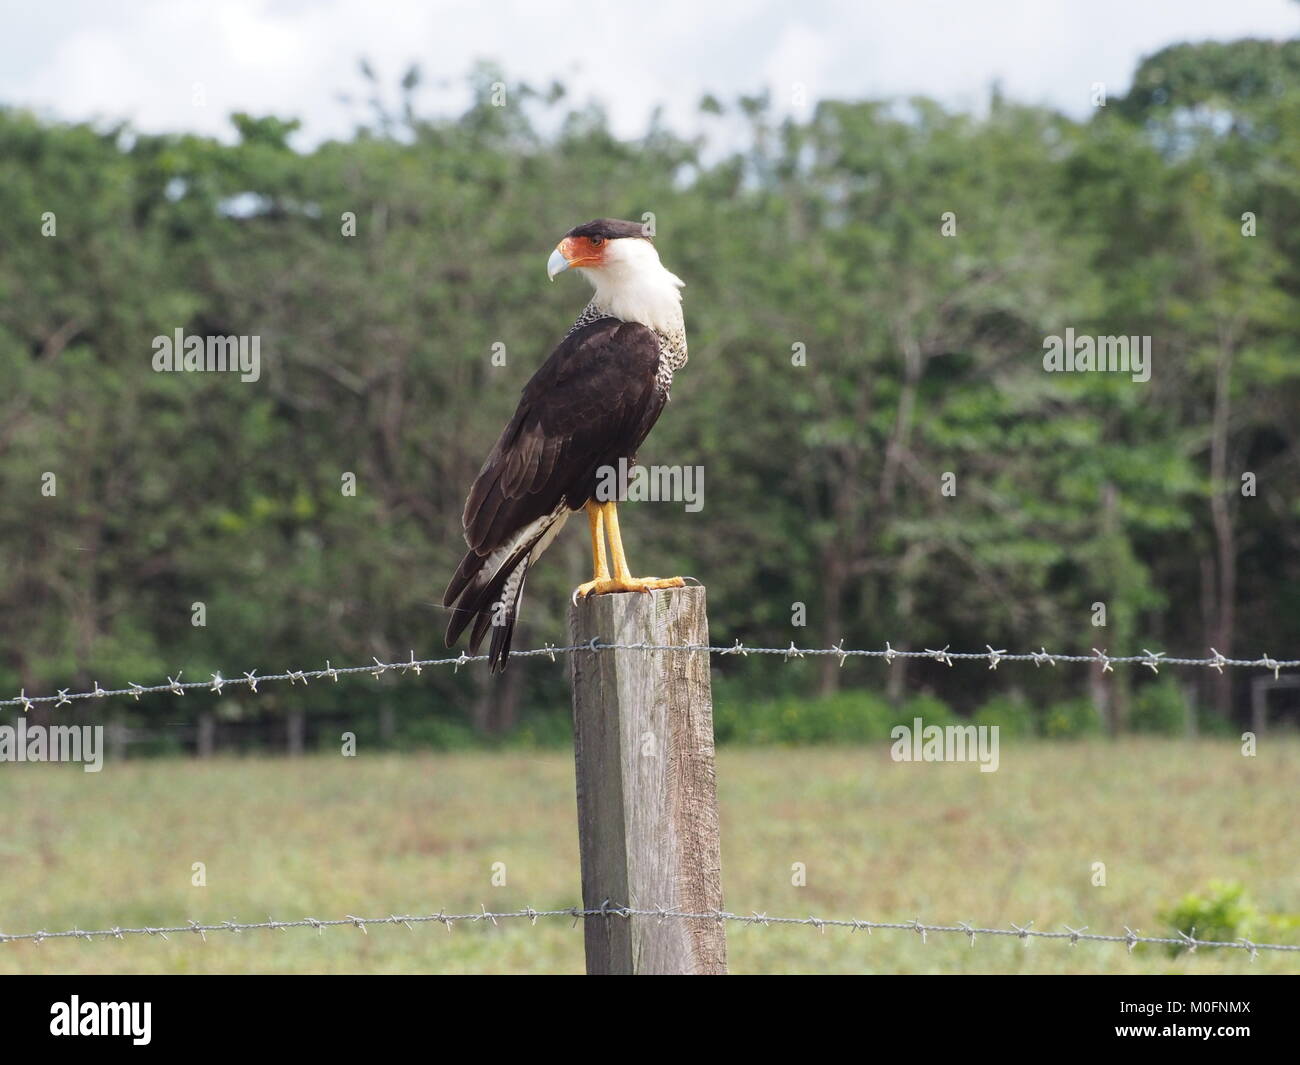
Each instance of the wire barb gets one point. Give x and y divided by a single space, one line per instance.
1153 660
942 656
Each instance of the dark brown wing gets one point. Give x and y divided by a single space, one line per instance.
590 404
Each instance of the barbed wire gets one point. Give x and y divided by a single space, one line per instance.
1131 938
1152 660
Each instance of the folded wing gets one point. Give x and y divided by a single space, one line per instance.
590 404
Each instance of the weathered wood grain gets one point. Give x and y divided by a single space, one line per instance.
647 799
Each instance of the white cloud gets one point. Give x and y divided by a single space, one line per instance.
293 58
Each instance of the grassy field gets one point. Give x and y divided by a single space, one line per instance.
327 836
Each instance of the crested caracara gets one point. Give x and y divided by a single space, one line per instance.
590 404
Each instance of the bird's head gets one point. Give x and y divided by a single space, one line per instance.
621 262
600 245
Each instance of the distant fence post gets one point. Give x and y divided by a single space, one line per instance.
207 735
296 729
118 738
647 799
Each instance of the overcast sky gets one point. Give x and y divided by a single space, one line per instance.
142 59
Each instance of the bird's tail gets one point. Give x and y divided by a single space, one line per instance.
487 599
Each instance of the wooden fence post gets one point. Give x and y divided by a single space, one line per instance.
647 800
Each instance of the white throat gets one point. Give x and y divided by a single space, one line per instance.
634 286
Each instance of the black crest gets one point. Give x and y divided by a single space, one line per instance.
609 229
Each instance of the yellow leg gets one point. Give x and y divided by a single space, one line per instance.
622 581
621 570
598 567
600 571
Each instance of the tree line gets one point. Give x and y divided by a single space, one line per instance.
871 289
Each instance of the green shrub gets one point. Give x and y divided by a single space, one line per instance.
1160 707
441 734
929 708
545 728
1013 715
845 717
1222 913
1282 927
1211 723
1075 717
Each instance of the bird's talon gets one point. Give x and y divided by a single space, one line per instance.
629 584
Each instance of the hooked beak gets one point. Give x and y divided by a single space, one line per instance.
556 264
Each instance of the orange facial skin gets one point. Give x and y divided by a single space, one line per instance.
583 251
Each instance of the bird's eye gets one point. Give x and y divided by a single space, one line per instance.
596 242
